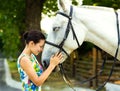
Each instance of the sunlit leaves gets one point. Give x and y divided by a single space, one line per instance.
49 7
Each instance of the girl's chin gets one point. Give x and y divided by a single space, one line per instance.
37 54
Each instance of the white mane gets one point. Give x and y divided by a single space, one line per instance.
98 8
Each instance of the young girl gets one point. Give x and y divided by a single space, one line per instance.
31 72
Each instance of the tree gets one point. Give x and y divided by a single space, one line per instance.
11 21
33 13
17 16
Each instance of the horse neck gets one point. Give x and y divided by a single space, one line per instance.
102 28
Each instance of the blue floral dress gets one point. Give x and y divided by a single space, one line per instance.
27 84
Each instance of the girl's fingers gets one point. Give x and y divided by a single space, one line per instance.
52 56
56 54
59 55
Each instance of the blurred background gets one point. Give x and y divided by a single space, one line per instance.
18 16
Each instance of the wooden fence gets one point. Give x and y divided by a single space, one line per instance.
88 66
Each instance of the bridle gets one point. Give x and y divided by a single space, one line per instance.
60 47
69 25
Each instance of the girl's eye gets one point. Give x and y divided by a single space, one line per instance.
41 46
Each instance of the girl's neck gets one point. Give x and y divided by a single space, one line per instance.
27 51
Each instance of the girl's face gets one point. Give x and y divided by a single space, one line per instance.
38 47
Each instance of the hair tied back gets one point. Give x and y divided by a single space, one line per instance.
25 35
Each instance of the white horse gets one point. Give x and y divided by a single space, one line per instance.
91 23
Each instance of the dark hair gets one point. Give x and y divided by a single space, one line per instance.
33 35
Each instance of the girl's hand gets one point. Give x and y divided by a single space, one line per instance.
55 59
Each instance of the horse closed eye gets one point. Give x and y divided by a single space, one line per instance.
56 28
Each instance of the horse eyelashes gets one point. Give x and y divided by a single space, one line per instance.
56 28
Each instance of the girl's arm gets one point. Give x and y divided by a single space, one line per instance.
26 65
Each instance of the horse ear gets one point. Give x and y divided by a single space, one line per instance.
63 4
80 2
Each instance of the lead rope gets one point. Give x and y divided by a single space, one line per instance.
65 78
67 81
116 53
100 71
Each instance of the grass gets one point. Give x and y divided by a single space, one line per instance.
13 70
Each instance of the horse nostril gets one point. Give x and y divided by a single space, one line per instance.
45 64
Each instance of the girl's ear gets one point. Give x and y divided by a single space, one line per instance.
31 43
63 4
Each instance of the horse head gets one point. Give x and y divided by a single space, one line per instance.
65 35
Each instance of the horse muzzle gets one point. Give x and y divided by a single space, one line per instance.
56 69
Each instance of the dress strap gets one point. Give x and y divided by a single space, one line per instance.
34 58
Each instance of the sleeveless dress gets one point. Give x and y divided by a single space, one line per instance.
27 84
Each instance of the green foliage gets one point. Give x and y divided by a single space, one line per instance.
11 40
50 7
88 2
12 20
12 16
108 3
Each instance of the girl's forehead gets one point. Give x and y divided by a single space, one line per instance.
42 41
